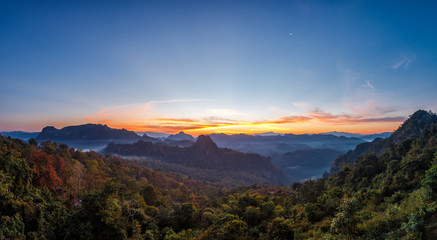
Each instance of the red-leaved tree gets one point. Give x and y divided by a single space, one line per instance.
59 165
44 174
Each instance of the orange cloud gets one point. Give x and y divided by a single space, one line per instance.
143 117
322 116
289 119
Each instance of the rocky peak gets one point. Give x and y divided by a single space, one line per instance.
205 142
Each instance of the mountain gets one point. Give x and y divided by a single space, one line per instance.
20 135
413 127
371 137
203 154
274 144
86 132
180 140
396 189
91 136
366 137
181 136
154 134
146 137
267 134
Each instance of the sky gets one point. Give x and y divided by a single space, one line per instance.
217 66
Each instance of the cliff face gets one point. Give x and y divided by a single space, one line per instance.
413 127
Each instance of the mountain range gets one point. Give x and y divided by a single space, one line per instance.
103 132
270 145
285 150
300 156
366 137
203 154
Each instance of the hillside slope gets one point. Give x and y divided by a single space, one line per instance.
413 127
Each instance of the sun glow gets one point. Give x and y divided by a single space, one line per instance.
196 119
197 127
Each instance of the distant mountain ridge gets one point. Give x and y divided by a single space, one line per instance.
266 145
204 153
306 163
20 134
413 127
181 136
86 132
367 137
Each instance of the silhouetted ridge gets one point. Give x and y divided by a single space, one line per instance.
413 127
86 132
146 137
181 136
203 154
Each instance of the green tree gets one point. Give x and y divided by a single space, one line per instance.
280 229
345 221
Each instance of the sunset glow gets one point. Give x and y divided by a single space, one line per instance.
135 118
216 66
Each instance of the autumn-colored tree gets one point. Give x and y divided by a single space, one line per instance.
44 174
59 165
94 175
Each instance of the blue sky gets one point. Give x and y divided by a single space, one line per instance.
226 66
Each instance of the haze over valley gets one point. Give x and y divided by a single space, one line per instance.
300 157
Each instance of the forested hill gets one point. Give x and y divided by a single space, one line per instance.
203 154
412 128
392 195
51 191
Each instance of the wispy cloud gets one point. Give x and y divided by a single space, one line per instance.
404 62
368 85
323 116
129 112
363 98
178 101
224 112
302 105
318 115
371 108
277 110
